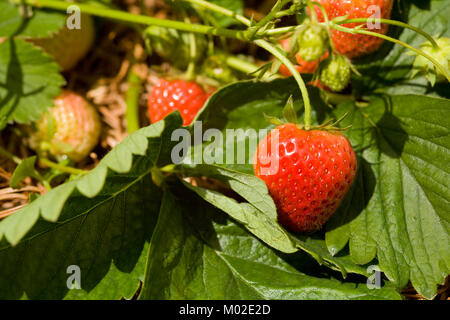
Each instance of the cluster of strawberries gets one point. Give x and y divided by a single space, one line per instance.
313 43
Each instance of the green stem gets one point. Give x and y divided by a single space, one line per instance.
222 10
281 14
325 16
395 23
46 185
190 72
278 31
312 12
134 18
382 36
9 155
279 55
240 64
252 31
62 168
132 101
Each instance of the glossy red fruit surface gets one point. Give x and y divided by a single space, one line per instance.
167 96
315 171
355 45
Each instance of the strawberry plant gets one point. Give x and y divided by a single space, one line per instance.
169 159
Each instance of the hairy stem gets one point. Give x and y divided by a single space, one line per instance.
132 101
62 168
325 16
252 31
190 72
5 153
304 91
222 10
278 31
395 23
240 64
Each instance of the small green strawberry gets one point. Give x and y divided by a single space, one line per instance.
313 42
336 73
302 66
441 54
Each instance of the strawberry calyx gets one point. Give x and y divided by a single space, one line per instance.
290 116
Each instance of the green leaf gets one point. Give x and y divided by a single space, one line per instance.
100 223
398 208
196 254
24 169
259 215
41 24
127 163
106 237
29 80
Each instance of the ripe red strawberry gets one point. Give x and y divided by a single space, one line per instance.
167 96
69 46
71 128
355 45
303 66
315 171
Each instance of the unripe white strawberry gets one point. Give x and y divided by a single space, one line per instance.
69 46
69 129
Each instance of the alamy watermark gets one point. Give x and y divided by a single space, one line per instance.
375 12
73 21
74 280
374 280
